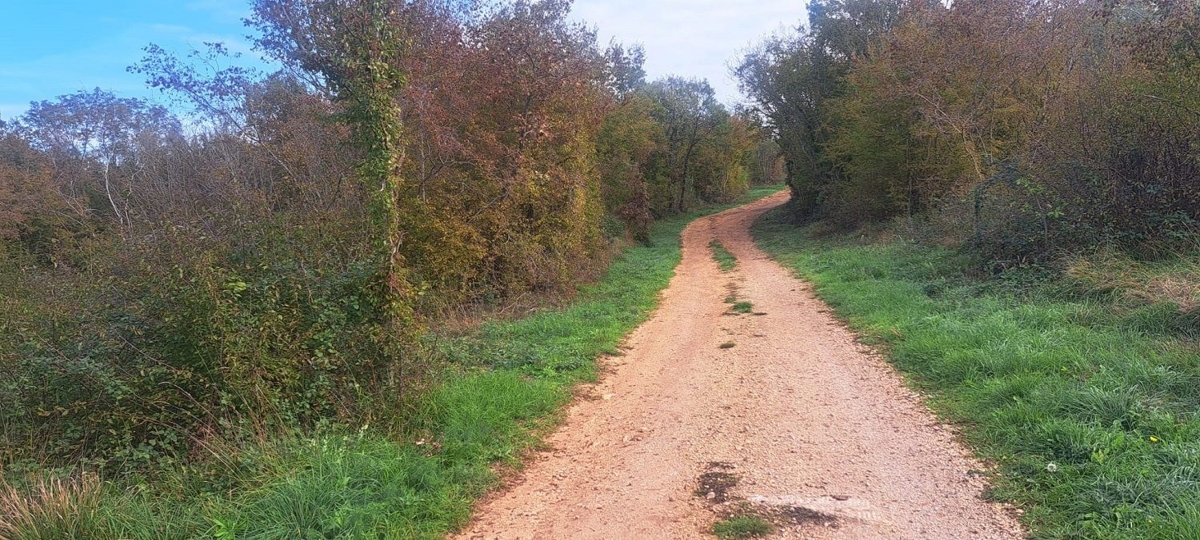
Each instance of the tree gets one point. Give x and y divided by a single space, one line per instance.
625 72
96 134
1050 124
627 141
352 46
215 90
35 218
788 87
790 78
689 112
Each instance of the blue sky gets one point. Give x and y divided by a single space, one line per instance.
54 47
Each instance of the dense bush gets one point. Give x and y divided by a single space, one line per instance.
1055 126
151 349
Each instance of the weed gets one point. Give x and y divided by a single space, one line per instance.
724 258
739 306
1171 281
81 506
747 526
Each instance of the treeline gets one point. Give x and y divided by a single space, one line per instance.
267 262
1020 128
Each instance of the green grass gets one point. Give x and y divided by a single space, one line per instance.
1039 369
353 488
724 258
503 387
739 306
742 527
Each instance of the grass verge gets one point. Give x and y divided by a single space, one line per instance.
1085 398
504 384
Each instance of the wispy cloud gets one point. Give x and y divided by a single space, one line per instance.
691 38
102 64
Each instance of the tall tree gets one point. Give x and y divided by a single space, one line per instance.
790 78
353 47
689 112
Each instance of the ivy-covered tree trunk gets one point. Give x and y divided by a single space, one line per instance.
353 48
371 110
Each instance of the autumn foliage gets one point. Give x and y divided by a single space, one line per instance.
1028 127
268 260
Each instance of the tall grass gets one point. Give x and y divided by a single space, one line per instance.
1086 400
50 508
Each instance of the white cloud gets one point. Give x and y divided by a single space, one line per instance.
691 38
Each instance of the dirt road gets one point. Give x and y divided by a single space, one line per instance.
778 412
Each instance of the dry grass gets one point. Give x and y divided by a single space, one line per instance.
943 228
1176 281
50 508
